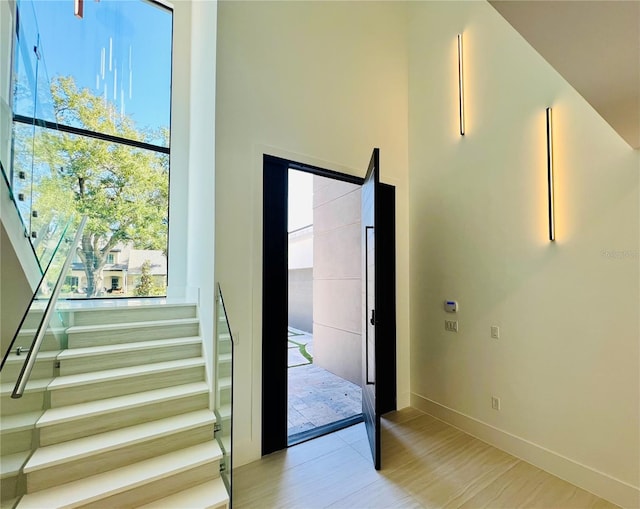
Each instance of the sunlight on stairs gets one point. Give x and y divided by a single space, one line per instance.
127 421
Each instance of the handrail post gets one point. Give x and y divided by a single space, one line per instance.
30 361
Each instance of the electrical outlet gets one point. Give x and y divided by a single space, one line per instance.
495 332
495 403
451 325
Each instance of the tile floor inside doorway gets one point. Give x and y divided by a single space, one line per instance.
316 396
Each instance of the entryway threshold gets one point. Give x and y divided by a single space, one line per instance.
325 429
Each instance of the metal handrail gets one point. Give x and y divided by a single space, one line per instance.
30 361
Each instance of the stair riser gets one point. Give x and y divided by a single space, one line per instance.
142 314
224 346
224 369
158 489
120 419
12 486
210 494
41 369
85 467
224 396
18 441
128 385
225 427
126 359
34 317
108 337
24 339
29 402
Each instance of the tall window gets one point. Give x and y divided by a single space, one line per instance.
91 103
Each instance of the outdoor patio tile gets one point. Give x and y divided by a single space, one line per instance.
319 397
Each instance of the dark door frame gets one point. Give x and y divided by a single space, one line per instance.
275 299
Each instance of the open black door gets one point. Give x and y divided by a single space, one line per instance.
378 281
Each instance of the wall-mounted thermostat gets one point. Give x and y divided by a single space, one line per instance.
450 306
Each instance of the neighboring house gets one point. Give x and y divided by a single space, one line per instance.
158 269
122 271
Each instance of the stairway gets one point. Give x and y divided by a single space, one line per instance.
127 421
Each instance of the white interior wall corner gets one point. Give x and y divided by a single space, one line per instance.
567 364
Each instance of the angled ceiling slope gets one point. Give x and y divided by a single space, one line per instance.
594 45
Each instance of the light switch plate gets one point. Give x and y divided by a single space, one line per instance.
451 325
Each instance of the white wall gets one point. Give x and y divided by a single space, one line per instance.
180 170
322 83
567 364
192 180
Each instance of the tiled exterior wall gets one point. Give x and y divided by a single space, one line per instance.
337 285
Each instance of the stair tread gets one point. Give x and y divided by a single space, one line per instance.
208 495
63 452
116 481
38 385
225 411
117 373
70 413
224 382
225 357
74 353
224 442
43 356
131 325
19 422
120 305
11 463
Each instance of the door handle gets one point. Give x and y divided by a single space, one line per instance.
372 321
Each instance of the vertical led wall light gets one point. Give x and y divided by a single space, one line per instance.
461 84
552 225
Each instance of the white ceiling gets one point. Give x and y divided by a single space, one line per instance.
594 45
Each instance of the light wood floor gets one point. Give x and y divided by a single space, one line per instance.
425 463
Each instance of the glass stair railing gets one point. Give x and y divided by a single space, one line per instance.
29 364
31 98
224 391
49 229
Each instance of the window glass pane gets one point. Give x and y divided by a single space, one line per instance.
119 51
31 80
123 190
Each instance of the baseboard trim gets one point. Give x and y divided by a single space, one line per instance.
587 478
245 452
